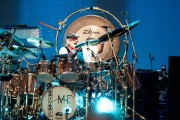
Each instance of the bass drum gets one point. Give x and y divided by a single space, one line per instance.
58 103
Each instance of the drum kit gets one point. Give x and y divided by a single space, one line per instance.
30 93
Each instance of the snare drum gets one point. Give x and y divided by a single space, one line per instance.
58 103
46 71
68 70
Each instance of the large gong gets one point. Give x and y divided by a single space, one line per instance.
91 26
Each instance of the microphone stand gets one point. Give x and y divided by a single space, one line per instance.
151 59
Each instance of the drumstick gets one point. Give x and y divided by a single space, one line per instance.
47 25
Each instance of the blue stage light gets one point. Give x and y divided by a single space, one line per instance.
105 105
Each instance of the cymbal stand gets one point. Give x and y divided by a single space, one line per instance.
9 45
117 66
43 57
26 86
87 92
88 85
2 91
134 61
5 88
125 62
26 89
18 79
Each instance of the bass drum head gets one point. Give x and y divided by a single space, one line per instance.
58 103
90 26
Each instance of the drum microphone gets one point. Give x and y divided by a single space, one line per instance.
95 8
60 56
105 27
124 13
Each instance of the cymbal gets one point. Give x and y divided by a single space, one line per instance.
39 42
105 37
117 32
6 52
24 51
88 43
7 36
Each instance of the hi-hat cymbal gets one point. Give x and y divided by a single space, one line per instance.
88 43
7 36
39 42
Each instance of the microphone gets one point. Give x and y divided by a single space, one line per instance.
124 13
60 56
135 56
151 57
106 27
95 8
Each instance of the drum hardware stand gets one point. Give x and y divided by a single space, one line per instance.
18 91
26 83
43 57
134 61
27 108
87 91
142 117
117 66
4 104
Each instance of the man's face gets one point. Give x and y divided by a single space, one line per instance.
72 42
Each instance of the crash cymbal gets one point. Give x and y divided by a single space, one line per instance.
6 36
88 43
39 42
6 52
117 32
24 51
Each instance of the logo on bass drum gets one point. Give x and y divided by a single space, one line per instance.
59 115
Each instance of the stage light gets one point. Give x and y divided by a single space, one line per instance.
105 105
6 109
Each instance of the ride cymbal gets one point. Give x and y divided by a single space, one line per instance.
117 32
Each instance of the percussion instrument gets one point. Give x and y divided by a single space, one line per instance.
58 103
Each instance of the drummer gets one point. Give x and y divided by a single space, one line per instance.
71 42
69 48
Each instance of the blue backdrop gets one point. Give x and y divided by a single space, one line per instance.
157 34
